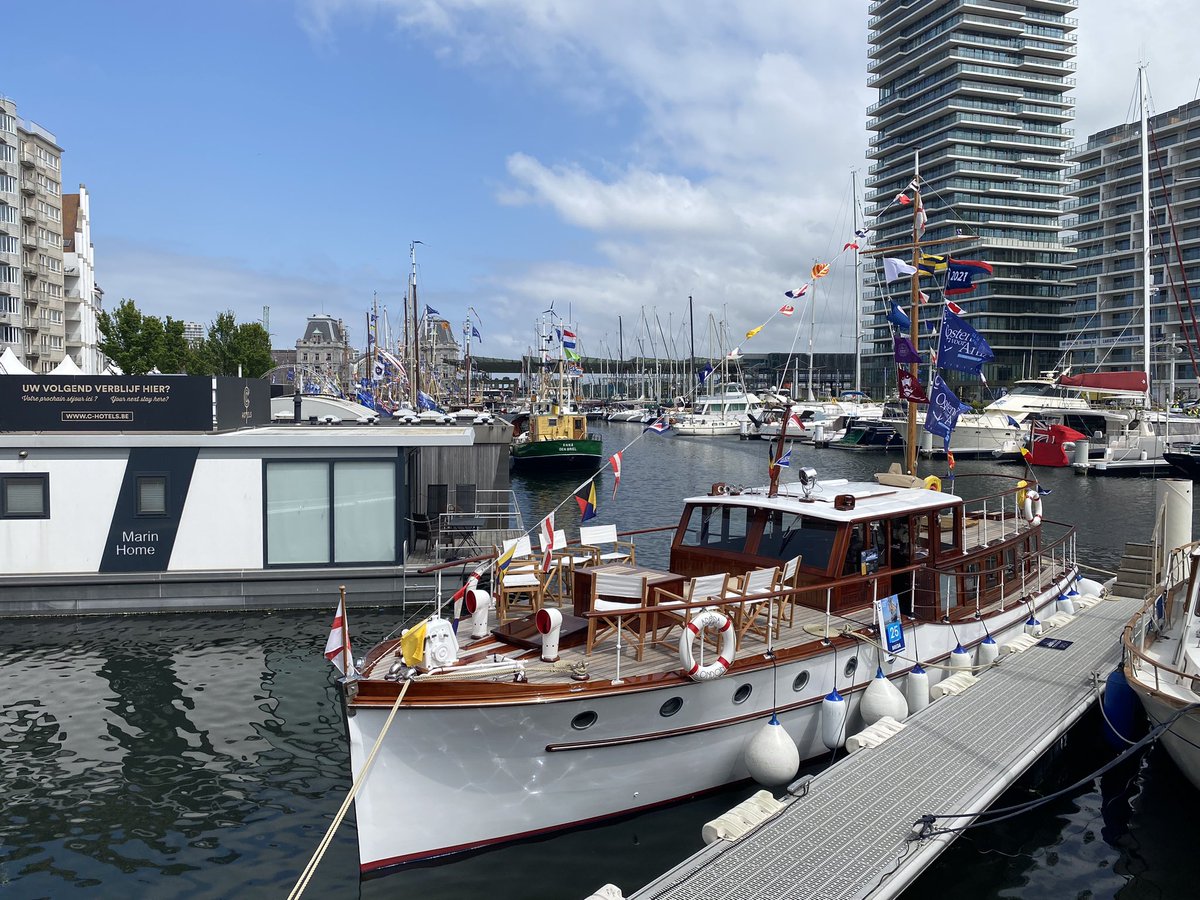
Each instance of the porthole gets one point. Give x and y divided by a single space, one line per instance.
851 665
672 706
800 682
742 694
584 720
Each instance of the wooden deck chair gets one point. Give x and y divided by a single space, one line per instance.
789 578
756 615
614 594
695 590
603 540
560 580
521 578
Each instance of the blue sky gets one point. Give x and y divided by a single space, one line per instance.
610 156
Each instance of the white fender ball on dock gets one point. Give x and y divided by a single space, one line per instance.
833 719
1089 588
882 698
960 658
987 652
771 756
1033 627
1064 604
916 689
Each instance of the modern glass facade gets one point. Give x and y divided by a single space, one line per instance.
1105 217
980 89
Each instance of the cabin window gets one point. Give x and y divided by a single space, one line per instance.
152 495
947 530
25 496
718 528
854 553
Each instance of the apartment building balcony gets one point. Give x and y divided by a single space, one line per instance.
28 159
28 187
28 213
28 240
32 351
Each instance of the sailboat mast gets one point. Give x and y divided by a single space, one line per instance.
812 330
910 446
1145 148
415 375
857 287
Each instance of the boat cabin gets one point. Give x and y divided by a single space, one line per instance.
842 531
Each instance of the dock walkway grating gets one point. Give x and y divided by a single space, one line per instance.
848 836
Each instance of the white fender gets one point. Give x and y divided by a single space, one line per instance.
987 651
479 604
882 699
833 719
1090 588
1033 627
707 618
960 658
772 758
548 622
916 689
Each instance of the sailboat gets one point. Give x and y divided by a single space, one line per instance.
727 408
554 432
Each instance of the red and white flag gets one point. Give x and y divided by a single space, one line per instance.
547 541
954 307
795 420
337 648
922 297
787 309
615 462
903 199
796 293
850 245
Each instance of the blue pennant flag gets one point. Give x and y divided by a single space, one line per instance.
1013 422
785 461
944 409
898 317
475 334
365 398
1042 492
425 402
658 426
961 347
430 311
705 372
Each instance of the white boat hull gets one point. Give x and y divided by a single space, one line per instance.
1182 741
708 427
454 779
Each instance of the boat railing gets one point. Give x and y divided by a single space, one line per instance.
998 579
1157 617
496 518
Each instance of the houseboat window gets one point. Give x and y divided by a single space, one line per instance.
152 495
364 521
25 496
297 512
787 535
327 512
718 528
800 681
672 706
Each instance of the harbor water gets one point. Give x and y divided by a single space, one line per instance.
202 755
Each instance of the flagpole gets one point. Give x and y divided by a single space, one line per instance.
346 662
910 447
857 286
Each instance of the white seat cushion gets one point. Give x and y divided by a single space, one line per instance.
512 581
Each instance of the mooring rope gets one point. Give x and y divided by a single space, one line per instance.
315 861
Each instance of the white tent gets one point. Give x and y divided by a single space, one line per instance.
66 367
10 365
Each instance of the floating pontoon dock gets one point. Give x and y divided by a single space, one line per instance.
849 832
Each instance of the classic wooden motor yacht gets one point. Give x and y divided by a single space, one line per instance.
617 703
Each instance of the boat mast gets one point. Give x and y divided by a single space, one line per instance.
812 330
1145 148
910 446
691 347
857 287
415 379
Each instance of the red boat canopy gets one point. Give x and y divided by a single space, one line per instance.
1107 381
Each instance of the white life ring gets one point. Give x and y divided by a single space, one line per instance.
704 619
1033 506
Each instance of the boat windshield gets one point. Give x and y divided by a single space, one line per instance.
1031 390
718 528
788 535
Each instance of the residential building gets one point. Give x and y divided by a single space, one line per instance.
980 89
194 333
31 213
1107 332
83 299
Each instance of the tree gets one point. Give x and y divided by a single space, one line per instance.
230 345
139 343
